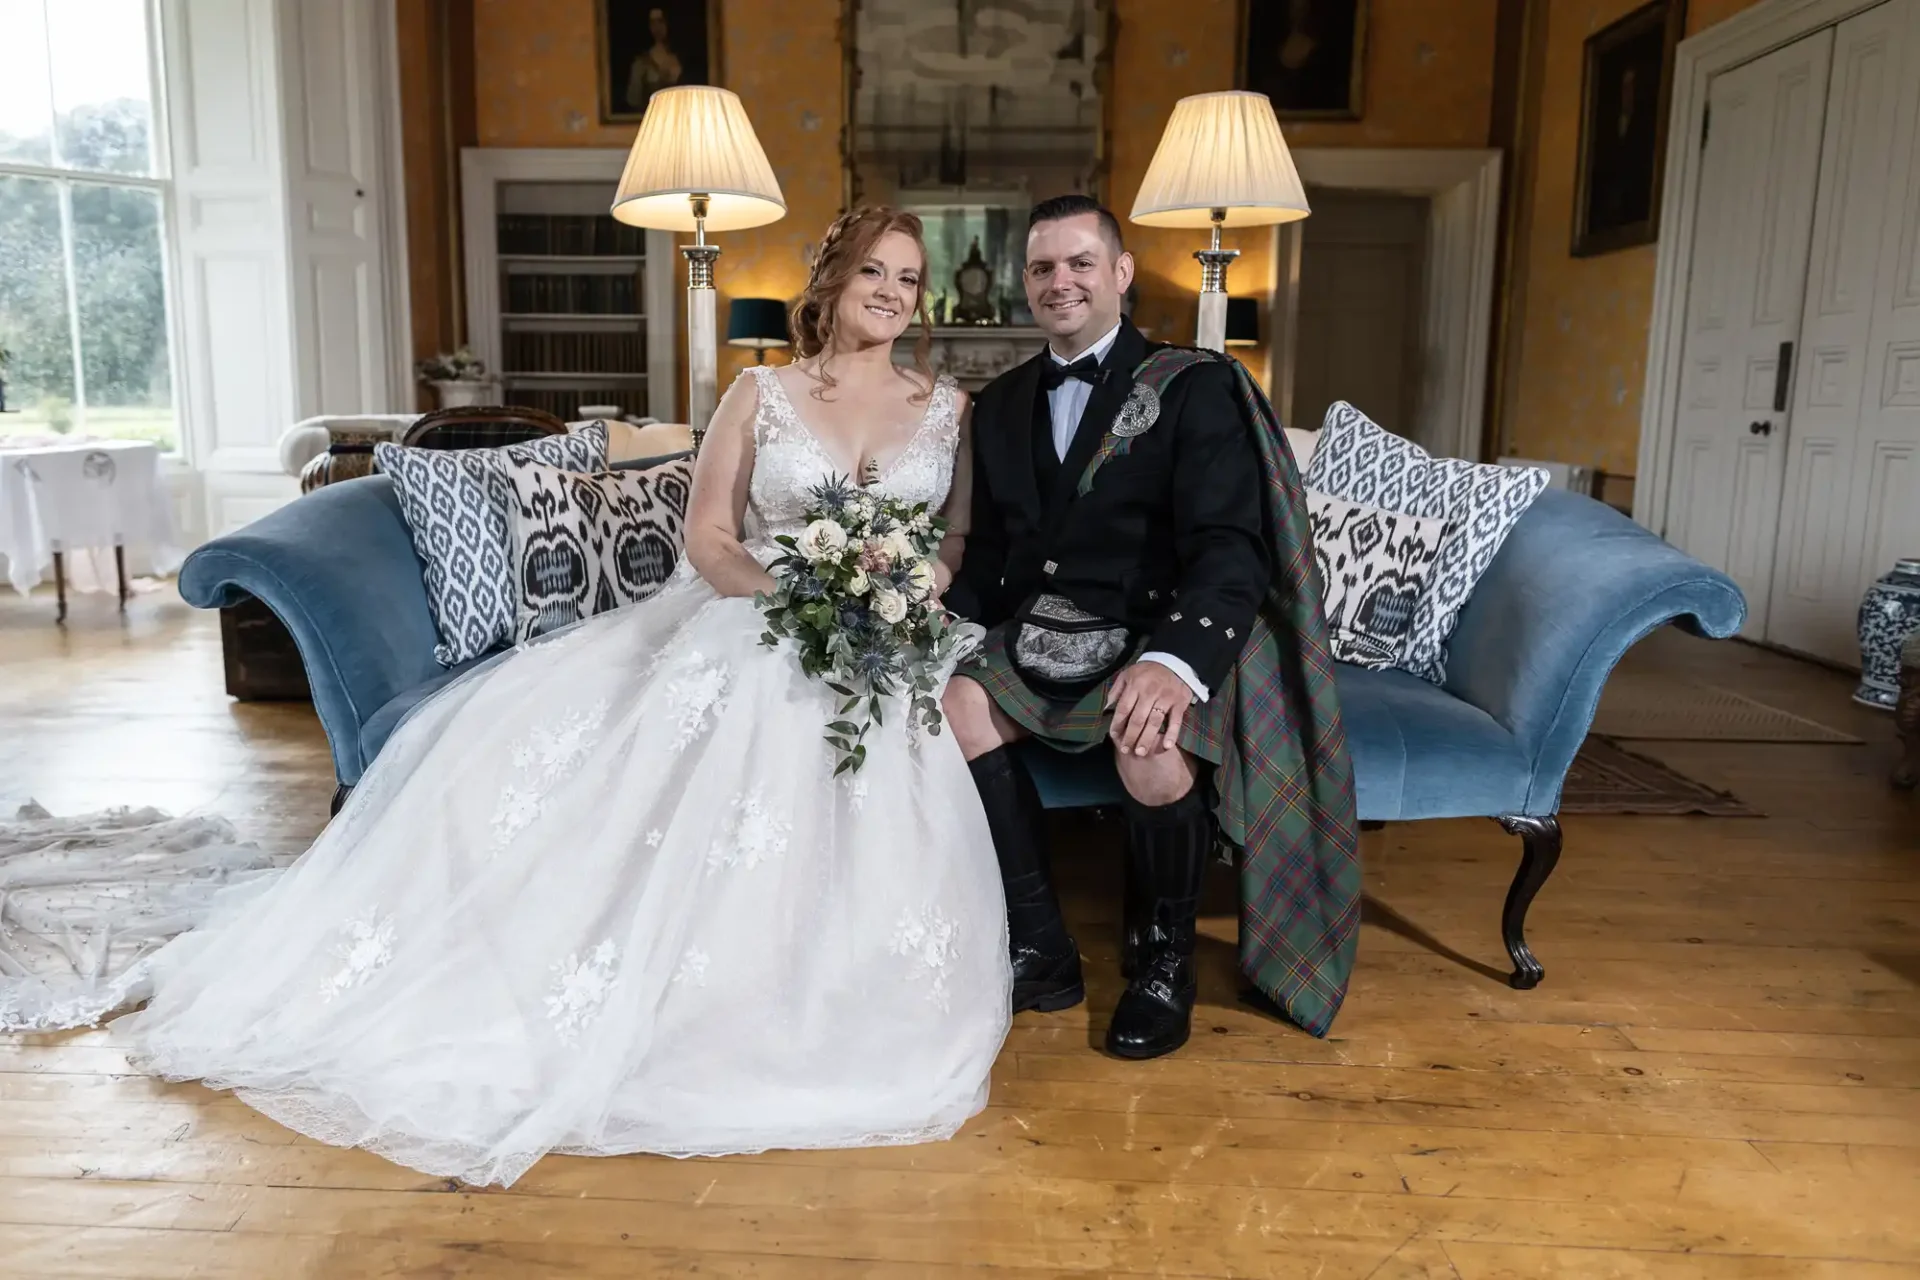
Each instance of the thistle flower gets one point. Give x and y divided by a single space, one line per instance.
836 497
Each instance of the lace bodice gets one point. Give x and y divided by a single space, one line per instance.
789 459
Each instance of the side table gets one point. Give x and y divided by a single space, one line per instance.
60 497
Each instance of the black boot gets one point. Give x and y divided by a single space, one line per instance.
1135 912
1046 963
1167 850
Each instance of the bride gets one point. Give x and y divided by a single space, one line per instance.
604 894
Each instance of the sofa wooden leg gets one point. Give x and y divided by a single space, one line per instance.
1540 845
340 794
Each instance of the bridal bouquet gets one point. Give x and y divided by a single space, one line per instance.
854 592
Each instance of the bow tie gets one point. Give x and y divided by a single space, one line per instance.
1054 375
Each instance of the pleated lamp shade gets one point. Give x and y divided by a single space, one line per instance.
697 140
1221 151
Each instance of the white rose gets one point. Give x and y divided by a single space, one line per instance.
921 575
890 605
860 582
899 546
823 540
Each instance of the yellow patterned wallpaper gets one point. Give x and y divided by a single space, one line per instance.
1428 83
1583 327
534 68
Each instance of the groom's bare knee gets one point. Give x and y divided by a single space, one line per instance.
978 725
1159 778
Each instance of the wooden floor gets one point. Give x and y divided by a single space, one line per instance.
1717 1079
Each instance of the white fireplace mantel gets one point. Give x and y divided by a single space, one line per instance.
974 354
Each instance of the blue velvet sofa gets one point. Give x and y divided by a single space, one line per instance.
1574 586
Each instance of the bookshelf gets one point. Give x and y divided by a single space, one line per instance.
567 307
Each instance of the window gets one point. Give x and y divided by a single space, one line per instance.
83 297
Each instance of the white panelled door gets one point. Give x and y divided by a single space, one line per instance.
1751 232
1813 591
336 174
1852 499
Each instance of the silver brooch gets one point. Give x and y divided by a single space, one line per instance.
1140 412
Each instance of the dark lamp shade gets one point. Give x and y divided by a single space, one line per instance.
1243 322
757 322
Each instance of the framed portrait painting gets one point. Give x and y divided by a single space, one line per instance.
1626 87
648 45
1308 56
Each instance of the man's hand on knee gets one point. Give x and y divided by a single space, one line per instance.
1149 702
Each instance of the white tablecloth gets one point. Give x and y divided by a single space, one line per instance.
82 496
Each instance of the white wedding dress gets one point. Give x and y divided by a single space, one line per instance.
603 895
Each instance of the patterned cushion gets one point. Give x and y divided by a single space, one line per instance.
587 544
455 504
1358 461
1374 567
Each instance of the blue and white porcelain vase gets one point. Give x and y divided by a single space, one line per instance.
1888 615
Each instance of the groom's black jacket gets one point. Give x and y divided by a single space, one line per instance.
1169 539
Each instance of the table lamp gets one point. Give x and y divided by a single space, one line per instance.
1243 322
697 166
1221 163
760 323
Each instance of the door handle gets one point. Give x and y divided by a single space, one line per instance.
1760 428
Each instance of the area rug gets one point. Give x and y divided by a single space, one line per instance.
1663 708
1608 779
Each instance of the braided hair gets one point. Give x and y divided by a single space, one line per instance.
845 248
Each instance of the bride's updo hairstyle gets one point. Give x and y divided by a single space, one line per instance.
844 250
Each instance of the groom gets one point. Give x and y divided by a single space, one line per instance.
1121 610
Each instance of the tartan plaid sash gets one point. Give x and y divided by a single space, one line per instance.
1282 773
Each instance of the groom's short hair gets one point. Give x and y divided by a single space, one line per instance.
1058 207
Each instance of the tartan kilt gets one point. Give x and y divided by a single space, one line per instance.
1282 778
1074 727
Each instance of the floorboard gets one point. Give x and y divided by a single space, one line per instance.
1719 1079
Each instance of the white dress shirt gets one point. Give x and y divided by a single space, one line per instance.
1066 404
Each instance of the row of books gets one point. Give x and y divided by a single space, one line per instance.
622 351
564 402
599 295
572 233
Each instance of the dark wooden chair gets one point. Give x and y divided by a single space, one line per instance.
481 427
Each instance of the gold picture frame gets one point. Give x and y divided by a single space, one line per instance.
1626 96
1331 90
622 40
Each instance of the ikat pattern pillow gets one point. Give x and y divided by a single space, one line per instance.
1361 462
589 544
1374 567
455 504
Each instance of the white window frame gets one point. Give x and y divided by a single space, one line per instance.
159 182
